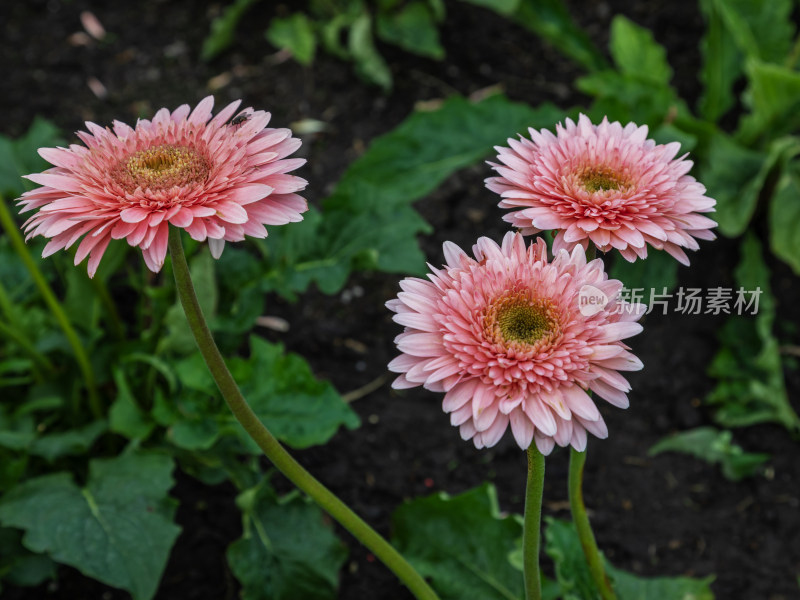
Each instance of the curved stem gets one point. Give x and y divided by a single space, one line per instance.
267 442
581 520
531 535
18 243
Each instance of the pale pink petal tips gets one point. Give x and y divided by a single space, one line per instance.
605 184
220 179
515 340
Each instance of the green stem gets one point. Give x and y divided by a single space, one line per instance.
531 535
267 442
18 243
581 520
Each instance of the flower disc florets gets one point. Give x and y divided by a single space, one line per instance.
217 178
508 339
606 184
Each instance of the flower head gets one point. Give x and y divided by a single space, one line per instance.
216 179
515 339
604 183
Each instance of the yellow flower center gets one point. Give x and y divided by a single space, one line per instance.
601 179
516 318
163 167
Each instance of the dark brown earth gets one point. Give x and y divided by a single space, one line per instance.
667 515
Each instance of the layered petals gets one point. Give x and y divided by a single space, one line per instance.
605 184
507 338
219 178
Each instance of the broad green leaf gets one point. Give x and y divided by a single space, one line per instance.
68 443
298 408
551 20
773 97
572 572
288 550
735 176
501 7
714 447
461 544
412 29
722 64
369 63
748 367
296 34
118 529
784 218
637 54
19 157
657 272
368 222
223 29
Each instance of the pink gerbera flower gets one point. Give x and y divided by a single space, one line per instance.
216 179
513 339
605 183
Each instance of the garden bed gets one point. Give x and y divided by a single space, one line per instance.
664 515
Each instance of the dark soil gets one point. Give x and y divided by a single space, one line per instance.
668 515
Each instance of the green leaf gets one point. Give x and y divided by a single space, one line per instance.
551 20
761 30
659 271
412 29
748 367
295 34
633 587
773 97
280 387
68 443
501 7
288 549
125 416
572 572
714 447
368 222
299 409
19 566
369 63
784 216
223 29
637 54
722 64
622 97
118 529
461 544
16 432
735 177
